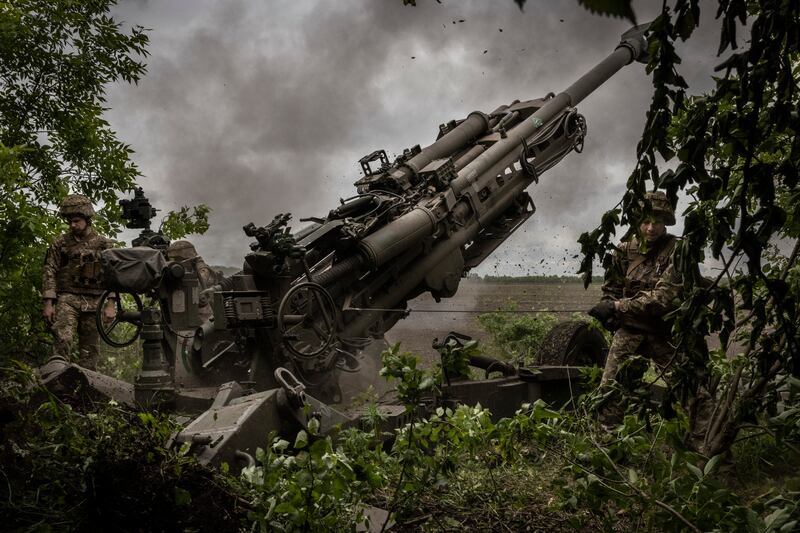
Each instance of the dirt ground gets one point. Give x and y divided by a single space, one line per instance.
429 320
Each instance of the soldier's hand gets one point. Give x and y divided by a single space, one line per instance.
109 312
603 311
49 312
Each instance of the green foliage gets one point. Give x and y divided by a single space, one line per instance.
186 221
454 467
82 466
646 477
455 357
735 153
307 487
56 57
411 382
516 337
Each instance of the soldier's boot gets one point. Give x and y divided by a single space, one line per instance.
89 357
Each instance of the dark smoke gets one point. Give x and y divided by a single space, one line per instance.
261 108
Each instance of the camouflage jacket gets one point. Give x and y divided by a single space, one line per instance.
205 276
658 301
72 264
633 276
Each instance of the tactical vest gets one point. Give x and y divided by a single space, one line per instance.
643 270
79 264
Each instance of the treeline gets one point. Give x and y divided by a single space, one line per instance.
535 279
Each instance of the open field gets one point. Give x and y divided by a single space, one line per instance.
429 319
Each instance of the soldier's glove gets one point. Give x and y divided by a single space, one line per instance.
605 313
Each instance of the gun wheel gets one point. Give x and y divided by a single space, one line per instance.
125 327
573 343
307 320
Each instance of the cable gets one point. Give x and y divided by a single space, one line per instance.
515 311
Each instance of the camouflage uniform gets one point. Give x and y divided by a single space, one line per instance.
658 301
185 252
631 280
72 278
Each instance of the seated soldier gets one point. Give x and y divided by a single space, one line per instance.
184 252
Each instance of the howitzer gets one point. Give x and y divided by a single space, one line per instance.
417 224
304 305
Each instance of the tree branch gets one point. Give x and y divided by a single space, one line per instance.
644 496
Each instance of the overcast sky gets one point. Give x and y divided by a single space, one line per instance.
257 108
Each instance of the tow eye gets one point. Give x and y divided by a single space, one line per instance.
294 390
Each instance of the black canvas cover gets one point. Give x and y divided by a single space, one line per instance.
137 270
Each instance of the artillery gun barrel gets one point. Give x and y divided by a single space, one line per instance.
415 275
474 126
412 228
492 161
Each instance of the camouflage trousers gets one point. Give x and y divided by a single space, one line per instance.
76 312
629 342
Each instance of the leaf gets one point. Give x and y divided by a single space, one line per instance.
694 470
611 8
754 522
313 426
301 441
778 518
711 464
182 497
285 508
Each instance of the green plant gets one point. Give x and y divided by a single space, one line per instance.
734 153
85 466
514 336
305 486
455 357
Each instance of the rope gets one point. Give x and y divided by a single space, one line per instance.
516 311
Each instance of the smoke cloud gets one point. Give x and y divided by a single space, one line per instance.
258 108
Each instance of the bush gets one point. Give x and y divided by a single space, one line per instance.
516 336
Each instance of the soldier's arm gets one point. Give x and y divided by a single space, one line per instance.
52 262
614 280
655 302
205 275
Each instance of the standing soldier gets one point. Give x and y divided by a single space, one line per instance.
643 286
71 284
627 303
185 253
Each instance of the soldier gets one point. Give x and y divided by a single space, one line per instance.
627 304
185 253
71 284
636 304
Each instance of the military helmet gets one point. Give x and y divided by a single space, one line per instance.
181 251
76 204
661 206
